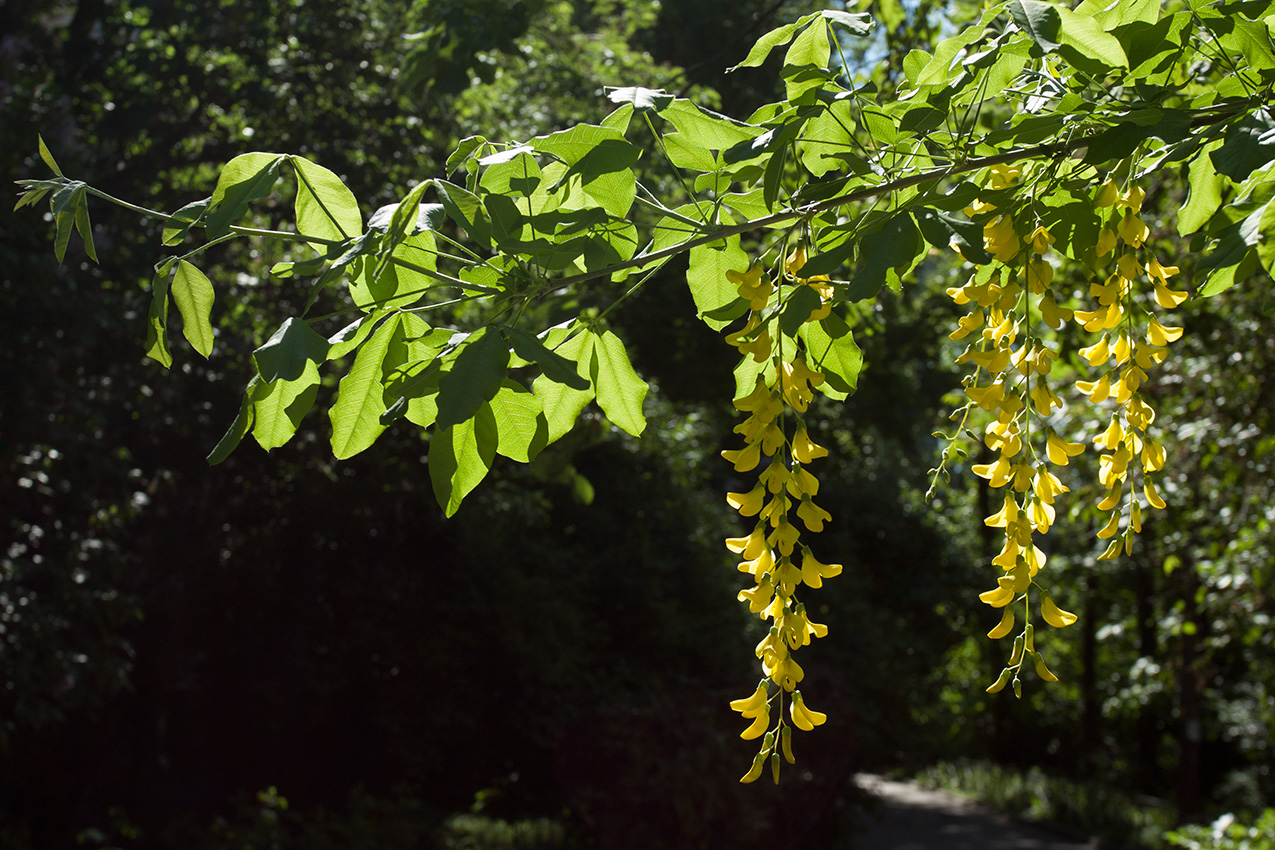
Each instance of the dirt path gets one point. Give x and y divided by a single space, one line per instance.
915 818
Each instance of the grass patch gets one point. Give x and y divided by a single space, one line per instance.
1087 809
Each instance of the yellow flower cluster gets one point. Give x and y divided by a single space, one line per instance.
1010 383
773 555
1133 341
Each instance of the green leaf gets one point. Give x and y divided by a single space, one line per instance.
1204 195
352 335
240 426
640 98
554 366
325 207
797 309
289 350
708 129
389 284
762 47
279 406
1248 146
246 178
619 119
860 23
469 146
466 210
1040 21
83 225
748 370
943 230
460 457
356 413
1265 232
1077 37
706 277
561 403
827 138
157 318
474 378
1084 35
809 49
831 349
193 294
620 390
520 422
893 245
180 222
47 156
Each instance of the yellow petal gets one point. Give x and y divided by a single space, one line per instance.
1042 671
1003 628
755 770
1055 616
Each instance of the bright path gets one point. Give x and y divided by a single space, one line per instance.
916 818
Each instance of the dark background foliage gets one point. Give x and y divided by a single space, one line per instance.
185 646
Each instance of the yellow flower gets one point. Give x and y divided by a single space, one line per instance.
1098 391
812 515
1000 239
753 704
804 718
1007 514
758 598
967 325
755 400
787 673
1132 199
749 547
998 598
1158 272
1042 671
803 448
1040 514
1059 450
1128 265
759 566
1053 315
1041 240
774 476
1002 176
1168 298
748 503
1055 616
1132 229
752 286
795 260
784 538
772 438
998 474
775 510
1159 335
744 459
755 771
801 482
1108 194
1153 498
813 572
1004 626
1044 398
1106 242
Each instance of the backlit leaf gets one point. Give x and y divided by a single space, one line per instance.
193 294
246 178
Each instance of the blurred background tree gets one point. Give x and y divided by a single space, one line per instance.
295 651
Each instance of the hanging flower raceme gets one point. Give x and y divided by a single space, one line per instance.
774 556
1009 389
1133 343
